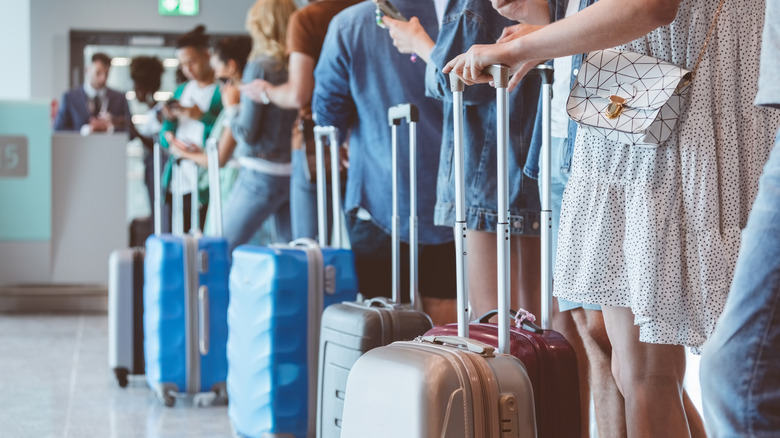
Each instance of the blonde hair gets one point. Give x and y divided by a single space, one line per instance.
267 24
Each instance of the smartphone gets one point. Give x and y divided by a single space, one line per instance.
384 7
172 103
225 80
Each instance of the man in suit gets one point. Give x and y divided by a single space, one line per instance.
93 107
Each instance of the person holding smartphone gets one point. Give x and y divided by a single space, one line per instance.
305 35
228 59
189 121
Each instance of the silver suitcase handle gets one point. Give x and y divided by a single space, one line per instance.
203 319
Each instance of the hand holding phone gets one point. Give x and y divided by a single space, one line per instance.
384 7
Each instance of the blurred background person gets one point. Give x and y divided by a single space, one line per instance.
189 118
146 73
93 107
305 35
359 76
228 60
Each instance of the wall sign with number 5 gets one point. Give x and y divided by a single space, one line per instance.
14 154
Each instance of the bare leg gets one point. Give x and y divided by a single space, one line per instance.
650 377
694 418
607 400
482 276
564 323
441 310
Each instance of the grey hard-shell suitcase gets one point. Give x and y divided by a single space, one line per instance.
126 297
126 313
446 386
350 329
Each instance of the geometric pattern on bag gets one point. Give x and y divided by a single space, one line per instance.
627 97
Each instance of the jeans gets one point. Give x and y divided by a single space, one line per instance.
303 200
373 248
256 196
739 368
560 163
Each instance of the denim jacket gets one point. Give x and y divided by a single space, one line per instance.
467 22
558 9
263 131
359 76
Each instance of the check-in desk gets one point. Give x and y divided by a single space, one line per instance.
63 213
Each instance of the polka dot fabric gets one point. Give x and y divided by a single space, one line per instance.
658 229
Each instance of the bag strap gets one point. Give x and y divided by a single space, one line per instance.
707 41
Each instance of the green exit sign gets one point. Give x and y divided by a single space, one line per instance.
178 7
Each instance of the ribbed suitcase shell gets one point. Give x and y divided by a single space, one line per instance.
268 378
419 389
164 311
125 313
552 368
348 331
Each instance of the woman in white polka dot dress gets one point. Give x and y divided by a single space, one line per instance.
652 234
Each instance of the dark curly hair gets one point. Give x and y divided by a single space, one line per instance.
145 71
195 38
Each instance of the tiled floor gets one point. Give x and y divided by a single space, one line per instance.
55 382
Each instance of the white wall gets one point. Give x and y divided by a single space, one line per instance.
51 20
15 49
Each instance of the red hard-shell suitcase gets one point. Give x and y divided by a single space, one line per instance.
549 359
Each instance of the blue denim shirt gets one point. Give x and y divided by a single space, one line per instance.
467 22
263 131
359 76
769 78
532 163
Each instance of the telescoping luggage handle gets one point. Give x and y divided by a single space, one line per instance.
395 115
332 134
546 73
500 75
159 199
178 199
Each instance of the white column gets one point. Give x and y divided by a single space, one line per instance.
15 49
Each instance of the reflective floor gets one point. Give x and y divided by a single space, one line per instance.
54 382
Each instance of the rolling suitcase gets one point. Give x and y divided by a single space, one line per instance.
444 386
126 299
126 313
352 328
185 304
277 295
549 359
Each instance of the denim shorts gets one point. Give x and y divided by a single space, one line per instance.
480 176
372 248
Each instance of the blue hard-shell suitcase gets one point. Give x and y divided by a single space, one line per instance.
276 300
185 315
277 295
185 311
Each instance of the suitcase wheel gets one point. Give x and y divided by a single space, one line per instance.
121 376
166 393
220 389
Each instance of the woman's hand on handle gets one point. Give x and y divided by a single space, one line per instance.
472 66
